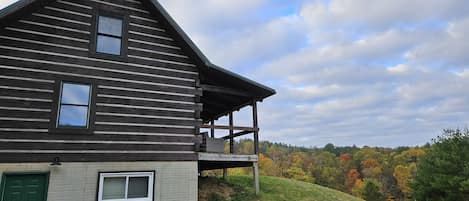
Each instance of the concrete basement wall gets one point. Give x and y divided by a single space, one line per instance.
174 181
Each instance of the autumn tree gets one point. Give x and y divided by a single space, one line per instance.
353 178
369 190
298 174
345 158
327 170
266 165
371 168
412 155
403 175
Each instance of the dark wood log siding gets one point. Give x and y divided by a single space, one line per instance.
146 106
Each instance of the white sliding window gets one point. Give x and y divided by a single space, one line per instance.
126 186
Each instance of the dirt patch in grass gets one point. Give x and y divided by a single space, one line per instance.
214 189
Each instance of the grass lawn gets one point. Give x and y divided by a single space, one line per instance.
273 189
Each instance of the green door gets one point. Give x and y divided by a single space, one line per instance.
24 187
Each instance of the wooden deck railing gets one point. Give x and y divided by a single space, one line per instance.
240 130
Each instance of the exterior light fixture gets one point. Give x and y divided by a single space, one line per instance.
56 162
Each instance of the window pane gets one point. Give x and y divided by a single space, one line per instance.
75 94
73 116
111 26
113 188
108 45
138 187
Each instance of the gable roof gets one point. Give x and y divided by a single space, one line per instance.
210 73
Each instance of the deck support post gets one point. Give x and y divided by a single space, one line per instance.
255 171
225 174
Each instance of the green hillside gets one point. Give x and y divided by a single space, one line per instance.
239 188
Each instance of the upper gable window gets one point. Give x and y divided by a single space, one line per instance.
109 35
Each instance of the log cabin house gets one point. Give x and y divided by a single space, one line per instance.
104 100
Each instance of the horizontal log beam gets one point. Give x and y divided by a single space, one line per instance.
237 134
230 128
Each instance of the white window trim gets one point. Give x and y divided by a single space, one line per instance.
150 175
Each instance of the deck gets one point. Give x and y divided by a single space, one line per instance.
211 150
212 161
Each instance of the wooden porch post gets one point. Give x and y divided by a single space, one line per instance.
212 130
231 133
256 126
255 167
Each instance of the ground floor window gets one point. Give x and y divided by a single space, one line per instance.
126 186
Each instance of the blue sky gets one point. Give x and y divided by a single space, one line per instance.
380 73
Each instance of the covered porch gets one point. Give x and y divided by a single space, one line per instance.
224 93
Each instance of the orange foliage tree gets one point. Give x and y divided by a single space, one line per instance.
353 179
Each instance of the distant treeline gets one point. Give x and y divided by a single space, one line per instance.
436 171
349 169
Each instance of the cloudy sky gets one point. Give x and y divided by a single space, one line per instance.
363 72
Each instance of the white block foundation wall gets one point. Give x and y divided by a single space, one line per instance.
174 181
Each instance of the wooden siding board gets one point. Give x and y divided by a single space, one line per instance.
25 104
89 146
70 8
56 13
95 137
35 37
49 30
100 118
24 83
41 47
22 157
137 20
25 94
144 112
154 48
24 124
121 128
24 114
147 103
158 56
154 95
150 39
161 64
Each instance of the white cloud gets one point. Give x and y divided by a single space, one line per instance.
202 16
399 69
370 15
448 50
